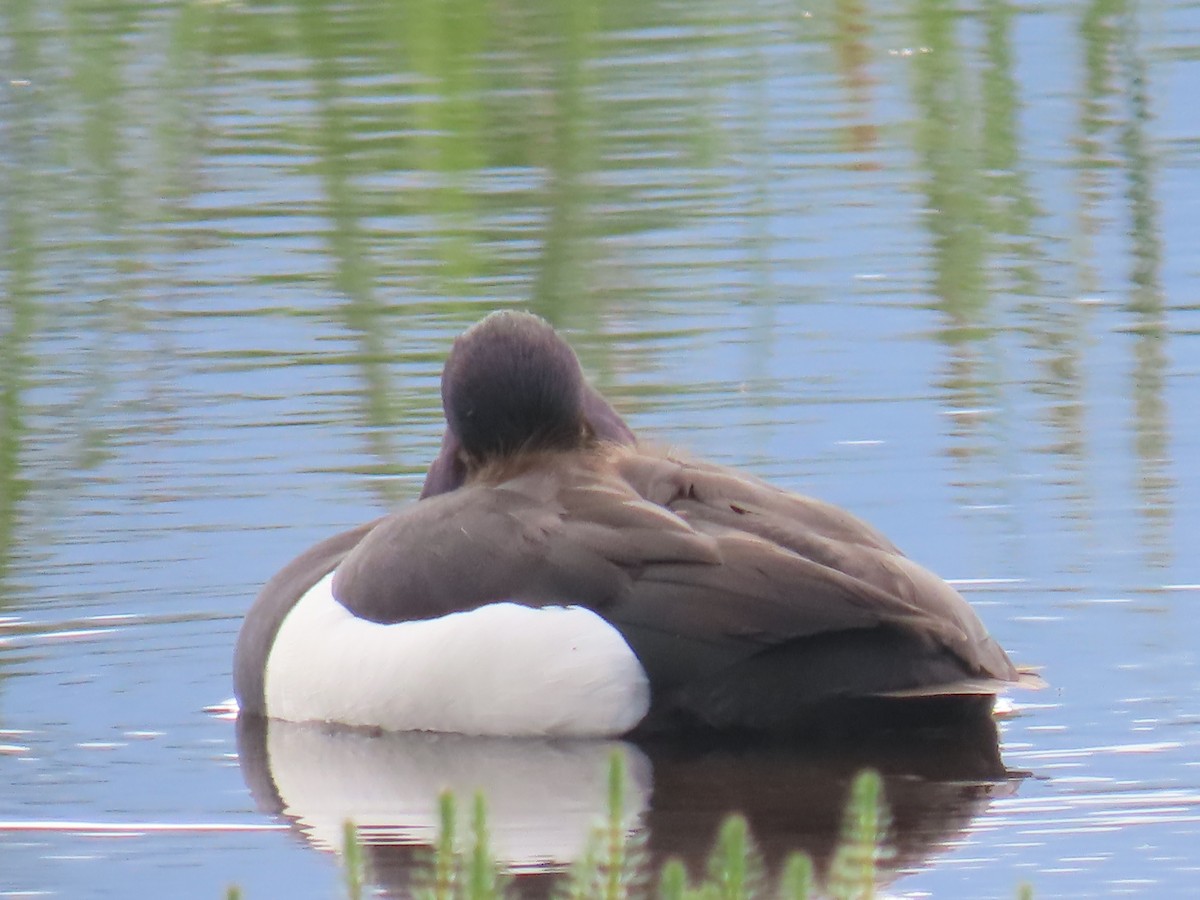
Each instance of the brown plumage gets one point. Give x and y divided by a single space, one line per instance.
747 606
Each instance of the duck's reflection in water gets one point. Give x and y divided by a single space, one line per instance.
544 797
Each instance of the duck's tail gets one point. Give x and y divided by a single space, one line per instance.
1027 679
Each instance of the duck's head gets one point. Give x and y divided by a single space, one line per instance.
512 385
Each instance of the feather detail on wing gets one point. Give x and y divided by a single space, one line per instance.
699 569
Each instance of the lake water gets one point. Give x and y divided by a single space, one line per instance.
936 263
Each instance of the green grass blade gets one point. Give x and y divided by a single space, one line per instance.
729 864
445 860
614 863
672 882
482 878
852 872
352 861
796 883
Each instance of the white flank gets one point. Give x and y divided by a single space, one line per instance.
502 669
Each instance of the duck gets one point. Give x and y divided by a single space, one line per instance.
558 577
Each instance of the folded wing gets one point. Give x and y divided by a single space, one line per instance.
720 584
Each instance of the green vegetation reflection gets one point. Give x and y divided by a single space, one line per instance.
418 160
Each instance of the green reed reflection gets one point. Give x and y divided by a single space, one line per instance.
1098 34
851 41
354 279
946 139
19 265
1052 327
560 271
460 156
442 44
988 255
16 327
1147 302
1012 209
947 143
1113 121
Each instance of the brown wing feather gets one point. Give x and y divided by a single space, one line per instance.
565 534
690 576
779 516
846 557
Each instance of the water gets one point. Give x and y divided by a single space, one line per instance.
935 265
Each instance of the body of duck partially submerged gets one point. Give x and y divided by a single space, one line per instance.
559 578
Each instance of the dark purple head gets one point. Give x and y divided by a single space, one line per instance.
511 384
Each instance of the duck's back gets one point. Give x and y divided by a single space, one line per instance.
732 507
856 618
745 606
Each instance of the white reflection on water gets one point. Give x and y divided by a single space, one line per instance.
543 797
130 829
1108 810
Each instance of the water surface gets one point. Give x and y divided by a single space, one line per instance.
932 262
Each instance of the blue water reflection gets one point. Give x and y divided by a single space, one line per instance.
931 263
